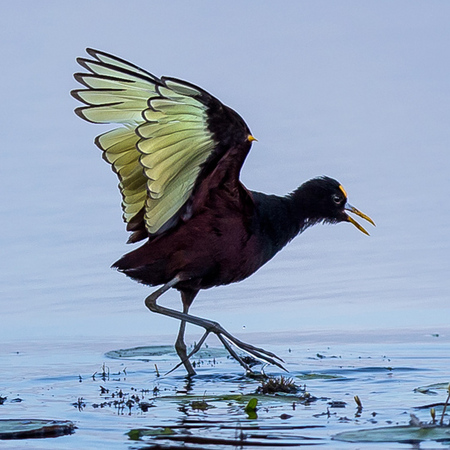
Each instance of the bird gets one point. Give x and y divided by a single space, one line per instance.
178 152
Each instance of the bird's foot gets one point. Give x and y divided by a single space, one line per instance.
257 352
227 339
210 327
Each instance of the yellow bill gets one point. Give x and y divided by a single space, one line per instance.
353 210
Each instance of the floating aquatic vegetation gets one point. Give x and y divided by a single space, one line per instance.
407 434
276 385
156 352
225 433
431 389
416 431
34 428
318 376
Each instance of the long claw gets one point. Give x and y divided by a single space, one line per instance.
257 352
261 355
233 353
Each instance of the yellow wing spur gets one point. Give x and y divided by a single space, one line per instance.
164 140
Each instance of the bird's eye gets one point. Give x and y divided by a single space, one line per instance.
337 199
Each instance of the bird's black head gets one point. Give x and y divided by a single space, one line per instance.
325 200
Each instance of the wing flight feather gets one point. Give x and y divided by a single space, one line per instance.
162 143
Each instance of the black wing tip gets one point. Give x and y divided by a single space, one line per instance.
75 94
94 54
97 143
80 78
80 113
84 63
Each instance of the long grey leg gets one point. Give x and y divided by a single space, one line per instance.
210 327
180 345
197 347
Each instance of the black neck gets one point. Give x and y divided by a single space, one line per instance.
280 219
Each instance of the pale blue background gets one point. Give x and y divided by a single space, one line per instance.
354 90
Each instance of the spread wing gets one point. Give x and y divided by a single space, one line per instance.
169 132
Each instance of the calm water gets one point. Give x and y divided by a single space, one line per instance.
360 94
64 381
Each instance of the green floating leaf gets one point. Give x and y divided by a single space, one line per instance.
240 399
200 405
251 405
396 434
251 408
318 376
141 353
134 435
431 389
157 351
137 433
34 428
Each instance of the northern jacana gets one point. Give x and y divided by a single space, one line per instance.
178 152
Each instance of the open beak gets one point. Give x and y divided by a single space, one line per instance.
353 210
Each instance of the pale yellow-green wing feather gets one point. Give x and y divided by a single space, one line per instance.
119 148
118 92
175 143
163 142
